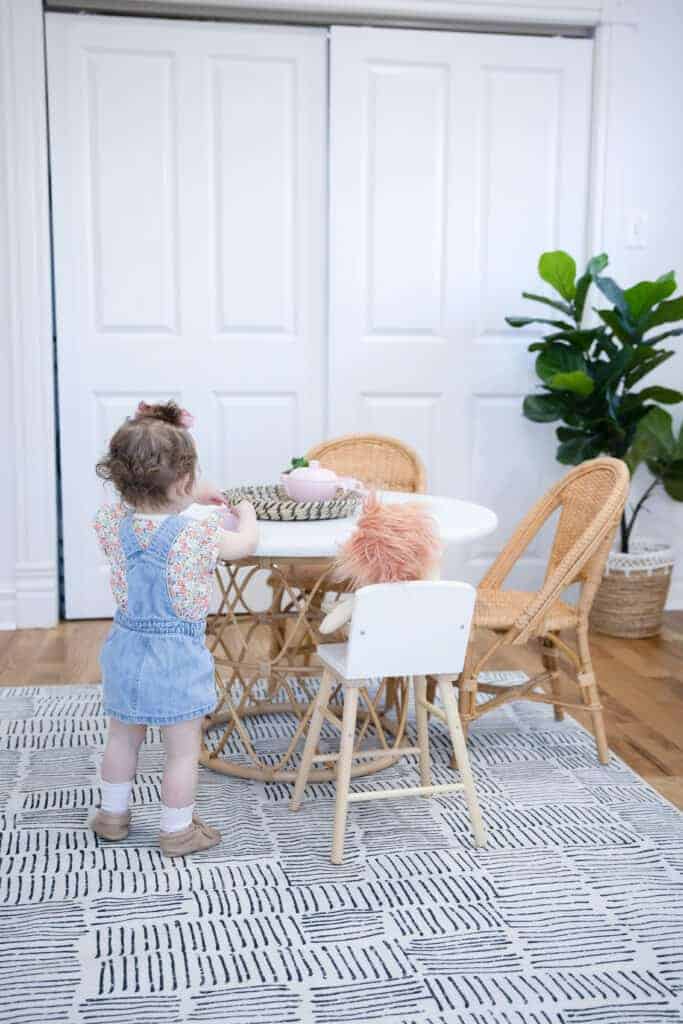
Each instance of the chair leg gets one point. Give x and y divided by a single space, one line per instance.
422 722
591 695
431 691
344 772
551 662
460 748
312 737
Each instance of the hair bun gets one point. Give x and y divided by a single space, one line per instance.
167 412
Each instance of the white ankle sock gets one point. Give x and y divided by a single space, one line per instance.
174 819
115 796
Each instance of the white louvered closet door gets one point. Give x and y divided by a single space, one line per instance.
456 159
188 188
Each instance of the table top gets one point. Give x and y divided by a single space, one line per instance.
458 521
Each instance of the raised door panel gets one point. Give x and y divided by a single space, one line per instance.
455 160
254 165
188 201
130 114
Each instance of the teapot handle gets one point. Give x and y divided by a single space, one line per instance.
349 483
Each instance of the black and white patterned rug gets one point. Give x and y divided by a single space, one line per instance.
573 914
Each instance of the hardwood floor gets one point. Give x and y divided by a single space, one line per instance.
641 683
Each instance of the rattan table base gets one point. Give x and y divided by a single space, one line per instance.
266 665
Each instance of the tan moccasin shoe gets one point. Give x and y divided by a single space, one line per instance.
192 839
110 826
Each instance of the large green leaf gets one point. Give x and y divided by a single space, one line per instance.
673 480
646 294
611 290
569 433
623 331
557 358
595 266
645 360
669 396
558 269
666 313
576 450
667 334
577 381
654 437
579 339
523 321
542 408
563 307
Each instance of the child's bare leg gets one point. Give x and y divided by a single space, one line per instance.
181 830
117 775
121 753
181 746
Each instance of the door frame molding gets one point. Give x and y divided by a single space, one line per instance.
31 597
426 13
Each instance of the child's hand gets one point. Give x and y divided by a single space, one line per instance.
206 493
245 511
244 540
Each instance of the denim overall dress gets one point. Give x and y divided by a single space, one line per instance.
156 669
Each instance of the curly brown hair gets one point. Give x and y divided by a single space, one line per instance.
149 453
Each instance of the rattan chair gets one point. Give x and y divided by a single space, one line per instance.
382 462
590 499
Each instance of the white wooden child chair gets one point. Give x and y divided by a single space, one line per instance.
410 629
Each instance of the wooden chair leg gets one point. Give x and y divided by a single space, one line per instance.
422 723
344 772
431 691
551 662
460 747
315 725
591 695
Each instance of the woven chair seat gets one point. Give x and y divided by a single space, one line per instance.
500 609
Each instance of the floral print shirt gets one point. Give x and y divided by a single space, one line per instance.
191 560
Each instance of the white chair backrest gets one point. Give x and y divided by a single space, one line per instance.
410 629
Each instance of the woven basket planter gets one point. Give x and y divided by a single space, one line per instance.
631 598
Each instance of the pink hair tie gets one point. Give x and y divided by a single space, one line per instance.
186 419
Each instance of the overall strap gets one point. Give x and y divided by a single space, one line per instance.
129 541
163 538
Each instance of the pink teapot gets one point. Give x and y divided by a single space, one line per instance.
315 483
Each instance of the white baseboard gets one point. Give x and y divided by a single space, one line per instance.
8 606
37 595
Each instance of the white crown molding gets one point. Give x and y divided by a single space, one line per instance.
24 193
445 13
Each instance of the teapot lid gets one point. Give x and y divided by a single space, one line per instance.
313 471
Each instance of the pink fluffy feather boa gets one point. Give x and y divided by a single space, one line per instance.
392 543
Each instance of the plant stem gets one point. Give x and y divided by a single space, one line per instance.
624 534
626 529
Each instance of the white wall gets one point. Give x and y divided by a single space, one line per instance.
647 177
652 182
28 572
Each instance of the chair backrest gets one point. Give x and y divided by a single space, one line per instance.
405 629
591 498
584 495
377 461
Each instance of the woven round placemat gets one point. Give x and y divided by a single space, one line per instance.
272 503
631 598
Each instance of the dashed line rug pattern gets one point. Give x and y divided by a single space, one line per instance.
573 913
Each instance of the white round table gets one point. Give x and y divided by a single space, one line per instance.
459 522
265 660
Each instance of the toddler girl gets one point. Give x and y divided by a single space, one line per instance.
156 669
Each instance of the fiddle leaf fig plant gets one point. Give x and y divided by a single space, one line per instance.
590 375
